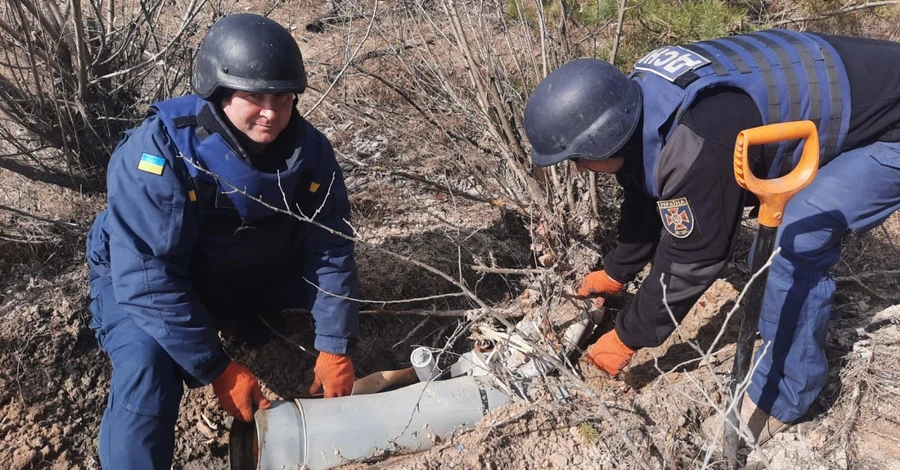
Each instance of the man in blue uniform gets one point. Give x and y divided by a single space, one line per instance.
197 235
668 131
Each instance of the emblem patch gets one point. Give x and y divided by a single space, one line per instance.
677 217
152 164
670 62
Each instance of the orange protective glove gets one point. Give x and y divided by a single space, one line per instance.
598 282
609 354
334 373
238 392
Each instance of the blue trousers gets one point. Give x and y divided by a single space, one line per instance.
856 191
138 427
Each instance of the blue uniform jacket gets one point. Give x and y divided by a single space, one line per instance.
146 244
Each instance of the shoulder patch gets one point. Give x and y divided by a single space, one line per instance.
677 217
670 62
152 164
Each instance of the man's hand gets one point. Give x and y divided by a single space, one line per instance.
334 373
598 282
609 354
238 392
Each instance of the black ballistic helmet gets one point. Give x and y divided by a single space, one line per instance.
250 53
586 108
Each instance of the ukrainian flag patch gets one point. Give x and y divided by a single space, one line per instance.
152 164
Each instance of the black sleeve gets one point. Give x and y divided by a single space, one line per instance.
873 69
700 210
638 231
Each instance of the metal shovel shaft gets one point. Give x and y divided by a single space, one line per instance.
765 243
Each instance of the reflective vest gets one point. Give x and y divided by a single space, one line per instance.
790 76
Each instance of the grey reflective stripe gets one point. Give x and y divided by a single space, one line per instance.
714 62
732 56
834 123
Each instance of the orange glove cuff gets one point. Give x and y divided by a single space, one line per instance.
609 354
334 374
238 392
598 282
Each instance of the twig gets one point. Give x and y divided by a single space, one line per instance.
739 389
507 313
402 301
188 21
887 237
866 288
68 225
486 310
523 271
737 302
412 332
860 277
839 11
592 176
344 69
24 239
355 63
318 25
285 338
419 178
80 52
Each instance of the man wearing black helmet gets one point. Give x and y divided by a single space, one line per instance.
668 132
197 236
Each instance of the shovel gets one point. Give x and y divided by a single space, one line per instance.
773 195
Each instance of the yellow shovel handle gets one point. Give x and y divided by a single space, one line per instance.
774 193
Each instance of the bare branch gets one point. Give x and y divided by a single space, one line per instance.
492 270
840 11
486 310
401 301
507 313
80 49
58 223
349 62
